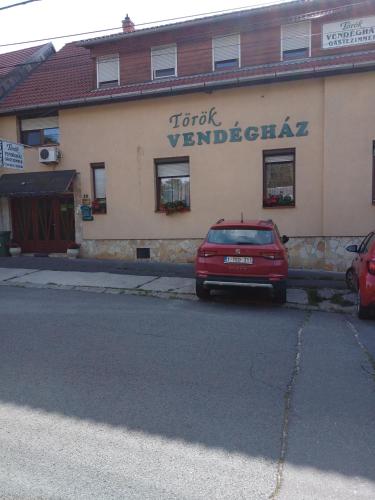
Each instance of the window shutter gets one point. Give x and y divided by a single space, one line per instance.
163 58
173 169
295 36
39 123
279 158
108 69
100 182
226 48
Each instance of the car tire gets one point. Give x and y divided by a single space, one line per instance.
201 292
279 294
363 312
351 280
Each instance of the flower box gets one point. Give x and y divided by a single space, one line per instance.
174 207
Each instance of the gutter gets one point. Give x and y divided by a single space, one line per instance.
266 78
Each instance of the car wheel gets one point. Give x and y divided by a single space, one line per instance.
201 292
351 280
279 296
363 312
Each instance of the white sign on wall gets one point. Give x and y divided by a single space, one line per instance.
11 155
348 32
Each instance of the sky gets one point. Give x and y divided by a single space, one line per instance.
51 18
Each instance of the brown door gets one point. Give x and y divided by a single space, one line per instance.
43 224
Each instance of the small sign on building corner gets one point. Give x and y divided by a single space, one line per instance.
11 155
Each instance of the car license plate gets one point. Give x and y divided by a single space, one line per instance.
238 260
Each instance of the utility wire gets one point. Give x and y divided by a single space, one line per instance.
148 23
236 10
18 4
57 59
224 11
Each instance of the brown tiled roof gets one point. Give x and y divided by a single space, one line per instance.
66 79
293 9
68 74
210 18
10 60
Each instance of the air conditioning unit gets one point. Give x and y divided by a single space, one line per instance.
50 154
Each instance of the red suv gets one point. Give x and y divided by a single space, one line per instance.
242 254
360 276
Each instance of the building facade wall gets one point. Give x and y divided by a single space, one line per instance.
226 179
333 166
349 135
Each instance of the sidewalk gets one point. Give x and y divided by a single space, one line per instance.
325 299
297 277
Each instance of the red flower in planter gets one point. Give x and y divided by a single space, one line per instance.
173 207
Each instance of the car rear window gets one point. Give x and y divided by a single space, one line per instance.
246 236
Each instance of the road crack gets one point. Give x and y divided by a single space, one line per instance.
288 396
369 356
9 280
139 287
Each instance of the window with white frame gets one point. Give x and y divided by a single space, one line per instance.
164 61
226 51
108 71
296 40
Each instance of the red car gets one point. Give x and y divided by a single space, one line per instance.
360 277
242 254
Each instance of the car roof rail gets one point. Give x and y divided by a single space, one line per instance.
219 221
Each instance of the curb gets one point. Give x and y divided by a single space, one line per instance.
328 308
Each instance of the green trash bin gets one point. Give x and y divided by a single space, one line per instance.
4 241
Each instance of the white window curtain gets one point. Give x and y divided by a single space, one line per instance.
280 175
174 183
100 182
108 70
296 36
226 48
163 58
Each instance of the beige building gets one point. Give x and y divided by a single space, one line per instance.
159 162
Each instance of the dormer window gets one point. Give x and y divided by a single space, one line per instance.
296 41
226 52
108 71
164 61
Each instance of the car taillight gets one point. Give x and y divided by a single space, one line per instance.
273 256
206 253
371 266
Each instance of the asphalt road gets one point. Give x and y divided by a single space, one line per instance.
130 397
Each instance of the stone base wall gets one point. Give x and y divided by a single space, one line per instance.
180 251
326 253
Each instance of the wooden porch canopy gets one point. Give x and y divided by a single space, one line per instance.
37 183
